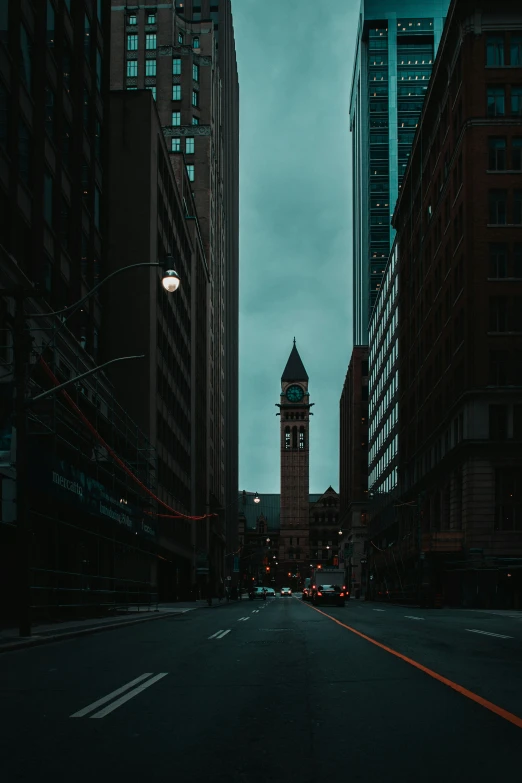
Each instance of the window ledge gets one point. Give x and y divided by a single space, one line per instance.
503 171
504 225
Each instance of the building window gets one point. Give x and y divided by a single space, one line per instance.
98 69
195 43
497 207
499 362
517 207
153 91
195 120
497 154
150 41
301 438
496 101
189 145
195 98
508 498
49 112
131 87
498 314
495 50
195 72
287 437
498 260
50 32
25 61
516 50
180 38
517 260
176 92
132 20
48 199
190 172
151 18
176 118
516 155
516 101
175 145
132 42
132 68
150 67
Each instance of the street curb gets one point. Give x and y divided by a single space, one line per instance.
36 641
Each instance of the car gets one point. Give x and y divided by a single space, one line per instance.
329 594
286 591
258 592
306 594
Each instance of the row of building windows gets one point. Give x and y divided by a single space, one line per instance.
499 201
496 50
151 41
498 159
150 69
189 145
295 439
150 18
497 96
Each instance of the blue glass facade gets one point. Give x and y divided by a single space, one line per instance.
394 58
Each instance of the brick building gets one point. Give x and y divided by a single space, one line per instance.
184 53
353 467
459 223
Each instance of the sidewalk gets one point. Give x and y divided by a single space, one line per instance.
43 633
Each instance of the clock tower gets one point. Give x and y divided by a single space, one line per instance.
294 411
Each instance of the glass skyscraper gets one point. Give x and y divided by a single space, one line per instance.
396 47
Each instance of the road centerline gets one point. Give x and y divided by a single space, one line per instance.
128 696
112 695
500 711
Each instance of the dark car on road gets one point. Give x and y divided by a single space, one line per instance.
329 594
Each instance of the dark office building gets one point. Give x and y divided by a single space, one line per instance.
459 223
185 55
92 532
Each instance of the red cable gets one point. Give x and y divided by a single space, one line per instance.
94 431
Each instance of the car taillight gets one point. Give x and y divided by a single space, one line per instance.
341 594
319 593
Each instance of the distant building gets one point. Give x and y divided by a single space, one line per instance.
459 223
396 47
353 467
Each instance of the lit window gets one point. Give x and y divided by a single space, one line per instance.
497 154
495 50
180 38
132 19
195 43
189 145
496 101
150 67
176 66
150 41
151 18
132 42
132 68
176 92
516 101
516 155
516 49
195 98
190 172
176 118
153 91
131 88
195 72
195 120
175 145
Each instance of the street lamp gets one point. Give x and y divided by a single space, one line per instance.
257 499
21 348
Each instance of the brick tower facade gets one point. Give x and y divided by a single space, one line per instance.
294 412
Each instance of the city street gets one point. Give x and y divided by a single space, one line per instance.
274 691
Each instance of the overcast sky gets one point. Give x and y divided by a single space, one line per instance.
295 65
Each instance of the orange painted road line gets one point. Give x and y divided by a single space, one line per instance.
509 716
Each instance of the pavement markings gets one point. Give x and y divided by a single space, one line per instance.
488 633
412 617
117 692
379 610
516 720
243 619
219 634
255 611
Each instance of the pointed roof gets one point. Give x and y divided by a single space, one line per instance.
294 370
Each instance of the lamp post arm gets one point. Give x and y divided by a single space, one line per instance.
50 392
93 290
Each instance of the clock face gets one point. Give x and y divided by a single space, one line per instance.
294 394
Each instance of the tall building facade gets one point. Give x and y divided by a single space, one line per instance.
458 222
396 48
184 53
353 467
294 411
91 491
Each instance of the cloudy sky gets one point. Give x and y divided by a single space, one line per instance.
295 63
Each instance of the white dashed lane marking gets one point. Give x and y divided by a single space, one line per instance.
219 634
488 633
412 617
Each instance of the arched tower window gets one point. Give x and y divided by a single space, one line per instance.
287 437
302 443
294 437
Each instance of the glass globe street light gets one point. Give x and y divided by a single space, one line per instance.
170 280
257 499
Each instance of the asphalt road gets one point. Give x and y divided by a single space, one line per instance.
271 692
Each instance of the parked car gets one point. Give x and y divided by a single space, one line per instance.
329 594
286 591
